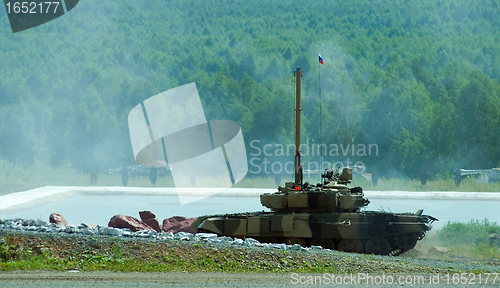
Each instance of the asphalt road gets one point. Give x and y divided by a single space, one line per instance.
203 279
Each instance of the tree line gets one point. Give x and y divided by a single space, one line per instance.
418 79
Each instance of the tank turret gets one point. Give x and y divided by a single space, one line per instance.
332 195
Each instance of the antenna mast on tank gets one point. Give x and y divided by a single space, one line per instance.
298 167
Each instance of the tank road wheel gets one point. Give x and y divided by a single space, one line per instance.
267 240
406 242
323 242
351 245
378 246
295 240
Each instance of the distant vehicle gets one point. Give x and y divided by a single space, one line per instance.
138 170
486 175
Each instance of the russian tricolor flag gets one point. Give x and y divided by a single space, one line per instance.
321 59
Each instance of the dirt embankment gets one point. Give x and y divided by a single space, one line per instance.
179 256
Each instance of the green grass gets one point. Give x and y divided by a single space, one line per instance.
195 260
201 263
203 259
465 239
467 185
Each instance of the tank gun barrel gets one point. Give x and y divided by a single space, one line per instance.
298 109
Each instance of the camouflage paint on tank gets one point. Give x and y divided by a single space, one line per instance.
317 225
400 231
328 214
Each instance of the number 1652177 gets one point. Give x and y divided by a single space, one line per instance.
31 7
471 278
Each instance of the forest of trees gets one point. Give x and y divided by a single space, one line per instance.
420 79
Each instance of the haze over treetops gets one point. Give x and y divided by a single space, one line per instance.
419 79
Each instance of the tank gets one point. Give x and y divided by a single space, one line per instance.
328 214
